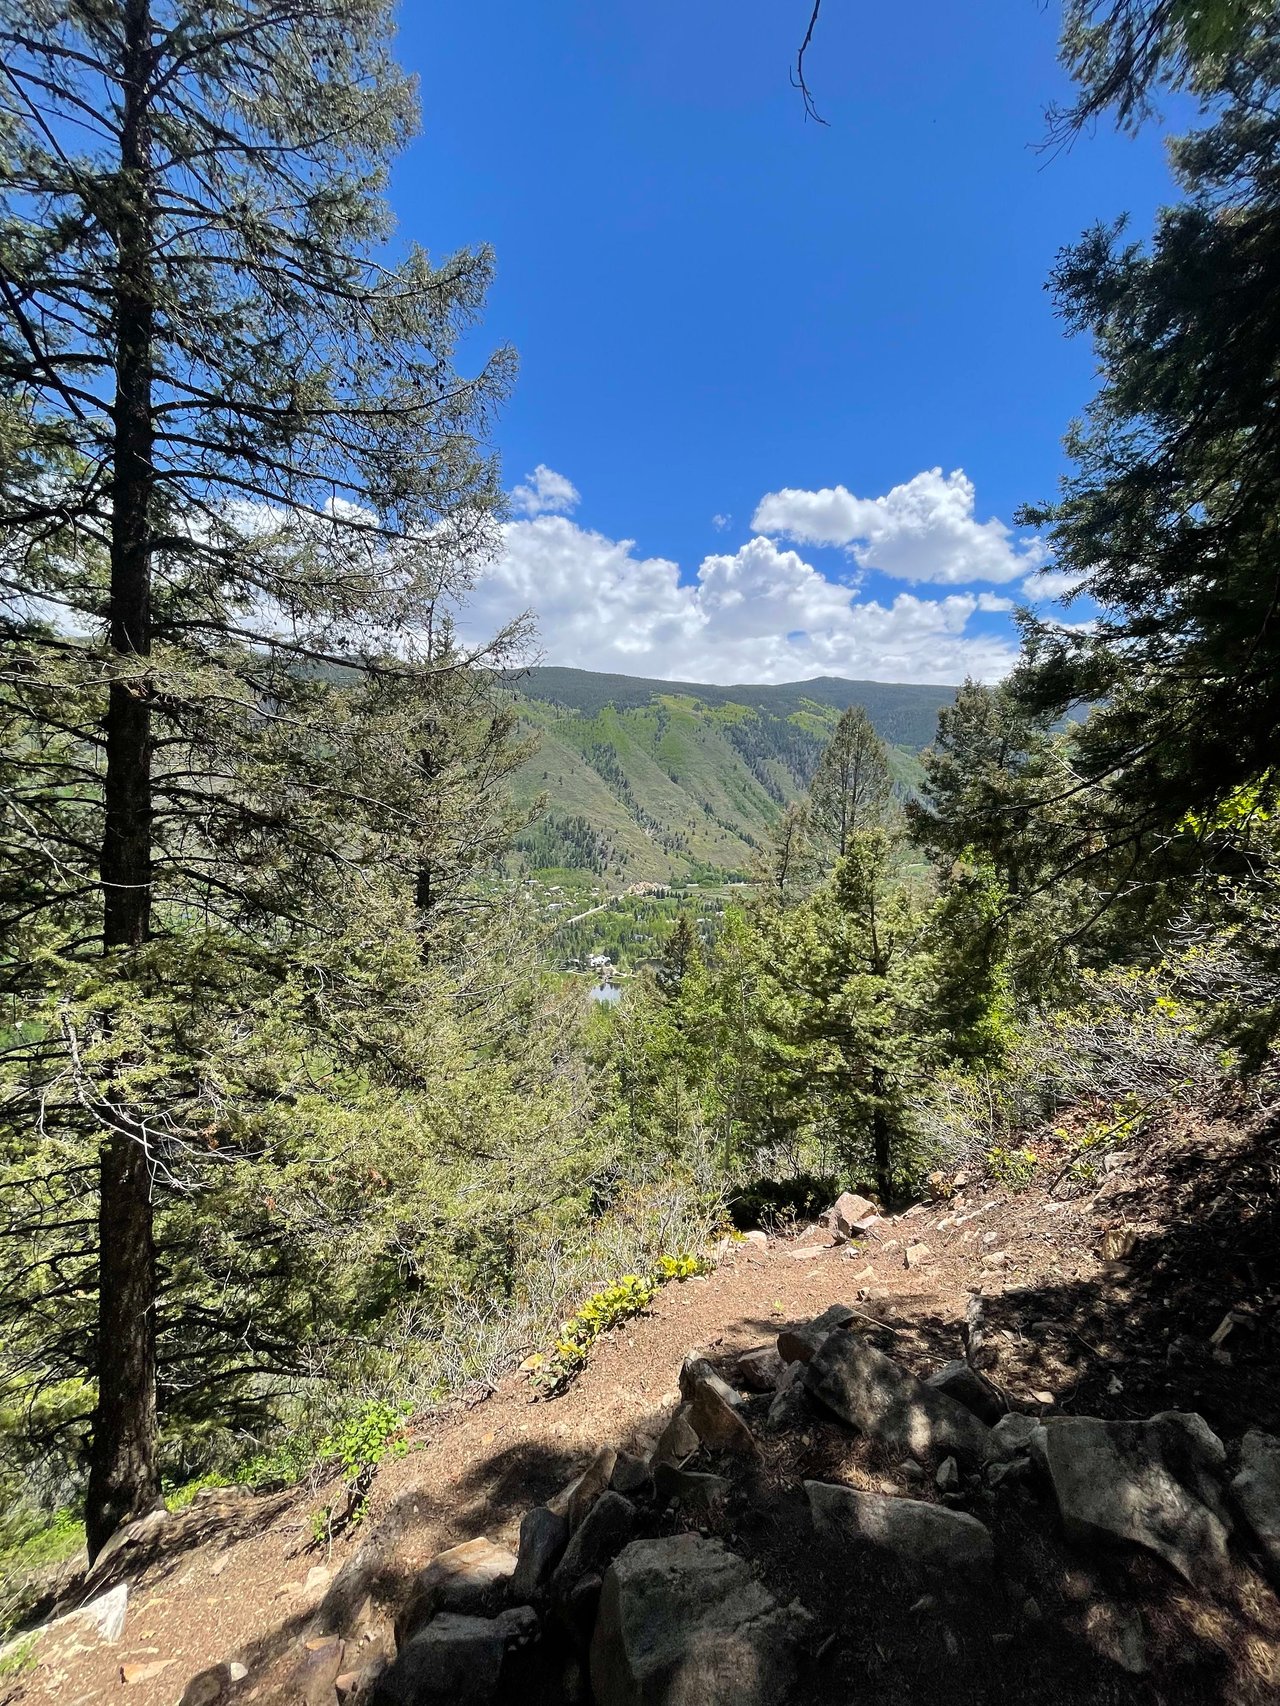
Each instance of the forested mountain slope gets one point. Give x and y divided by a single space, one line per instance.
659 780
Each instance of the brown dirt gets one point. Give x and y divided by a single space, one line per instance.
1192 1214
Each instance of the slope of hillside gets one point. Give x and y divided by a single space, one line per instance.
666 781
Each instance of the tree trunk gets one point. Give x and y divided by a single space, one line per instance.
123 1477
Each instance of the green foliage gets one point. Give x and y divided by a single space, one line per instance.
1013 1167
631 1295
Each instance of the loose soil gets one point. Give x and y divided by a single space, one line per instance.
1101 1299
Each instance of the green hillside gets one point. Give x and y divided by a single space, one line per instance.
666 781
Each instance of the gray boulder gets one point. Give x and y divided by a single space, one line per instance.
948 1546
1256 1490
543 1537
696 1372
604 1532
876 1396
716 1421
471 1578
459 1661
684 1623
972 1389
1011 1434
802 1342
694 1490
677 1440
575 1500
1151 1484
760 1369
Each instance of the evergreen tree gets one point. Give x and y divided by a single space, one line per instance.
681 952
1168 517
237 454
852 785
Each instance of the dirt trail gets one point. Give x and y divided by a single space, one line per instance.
1101 1304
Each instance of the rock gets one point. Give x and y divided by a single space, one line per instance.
1151 1484
915 1255
631 1475
604 1532
924 1540
948 1476
103 1616
791 1401
970 1388
717 1422
760 1370
1116 1633
575 1500
845 1216
806 1252
1256 1490
677 1440
801 1343
471 1578
207 1687
757 1239
581 1603
459 1661
696 1371
318 1579
543 1537
694 1490
312 1680
878 1397
130 1674
684 1623
1012 1433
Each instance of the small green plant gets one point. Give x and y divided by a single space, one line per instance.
357 1447
1013 1167
631 1295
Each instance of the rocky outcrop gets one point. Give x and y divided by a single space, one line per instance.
801 1343
471 1579
684 1623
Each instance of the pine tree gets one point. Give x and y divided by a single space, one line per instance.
237 455
852 785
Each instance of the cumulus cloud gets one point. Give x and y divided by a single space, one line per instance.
923 530
720 522
1051 584
544 492
761 613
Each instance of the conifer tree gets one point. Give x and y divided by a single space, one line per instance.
237 457
852 785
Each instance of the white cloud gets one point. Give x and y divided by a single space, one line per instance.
758 614
545 492
720 522
924 530
1051 584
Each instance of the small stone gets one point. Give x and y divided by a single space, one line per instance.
807 1252
948 1476
717 1422
968 1386
915 1254
318 1578
910 1470
678 1439
694 1490
130 1674
631 1475
757 1239
543 1537
605 1530
575 1500
760 1370
801 1343
1012 1433
207 1687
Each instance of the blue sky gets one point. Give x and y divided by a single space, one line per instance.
787 383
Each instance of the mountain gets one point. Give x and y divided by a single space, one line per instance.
670 781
